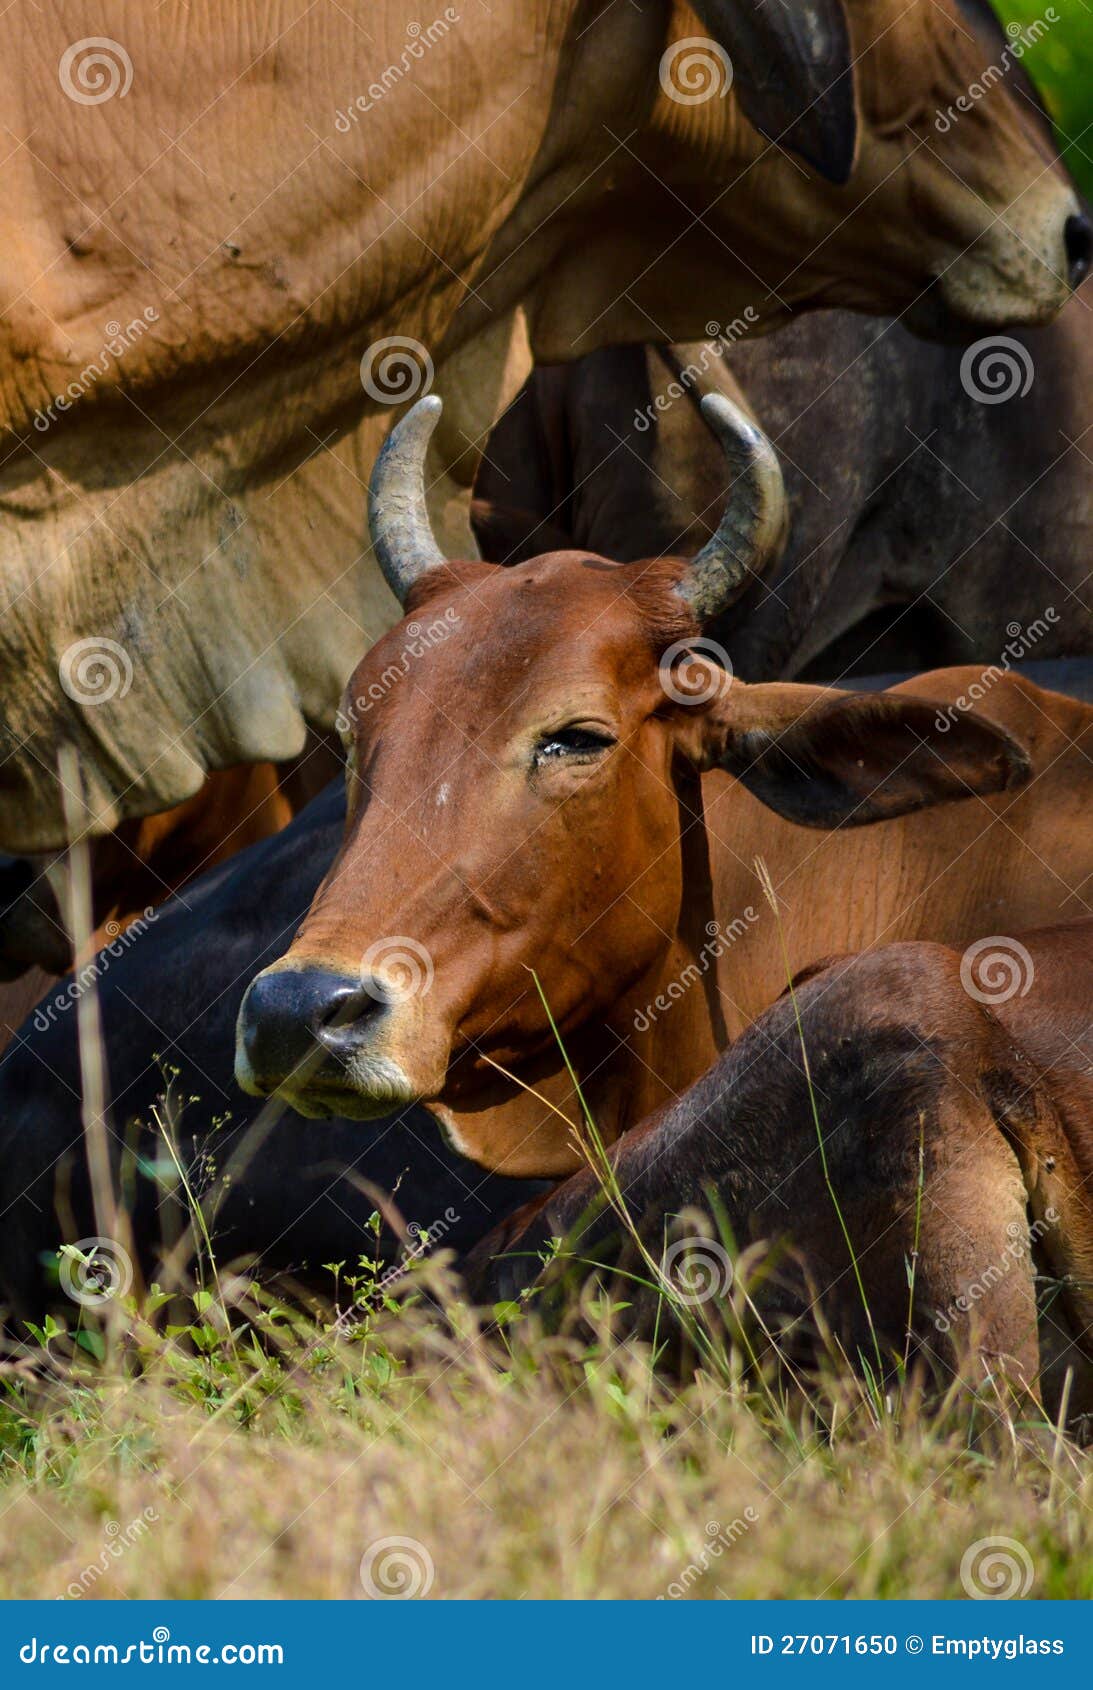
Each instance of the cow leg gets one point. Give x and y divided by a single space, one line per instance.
914 1157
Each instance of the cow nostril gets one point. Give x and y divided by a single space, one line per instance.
345 1007
1078 236
347 1014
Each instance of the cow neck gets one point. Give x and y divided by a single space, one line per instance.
669 1027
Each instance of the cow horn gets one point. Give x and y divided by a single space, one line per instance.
752 530
398 517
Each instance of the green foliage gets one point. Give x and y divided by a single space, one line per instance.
1060 62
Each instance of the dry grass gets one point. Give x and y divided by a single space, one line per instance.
267 1466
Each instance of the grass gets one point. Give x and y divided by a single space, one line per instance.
215 1440
191 1466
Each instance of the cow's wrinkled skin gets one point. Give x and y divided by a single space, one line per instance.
992 1086
526 188
169 1001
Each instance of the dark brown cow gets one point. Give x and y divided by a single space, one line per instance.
562 791
928 527
954 1097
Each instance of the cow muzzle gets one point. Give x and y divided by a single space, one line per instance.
997 281
328 1043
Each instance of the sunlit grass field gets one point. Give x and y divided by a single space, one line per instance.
280 1456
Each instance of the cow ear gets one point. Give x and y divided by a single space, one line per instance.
792 74
840 760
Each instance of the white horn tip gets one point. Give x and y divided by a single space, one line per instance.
723 416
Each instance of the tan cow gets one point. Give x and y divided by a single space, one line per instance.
213 233
555 815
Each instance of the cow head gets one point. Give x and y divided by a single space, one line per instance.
931 189
519 747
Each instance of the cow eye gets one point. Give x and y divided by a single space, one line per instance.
574 744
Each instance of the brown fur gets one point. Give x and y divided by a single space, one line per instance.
951 1127
604 875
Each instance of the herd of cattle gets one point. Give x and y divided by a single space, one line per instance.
615 838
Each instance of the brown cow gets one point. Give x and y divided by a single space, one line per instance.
564 792
229 251
954 1097
942 506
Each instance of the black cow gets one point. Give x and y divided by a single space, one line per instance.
169 1000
